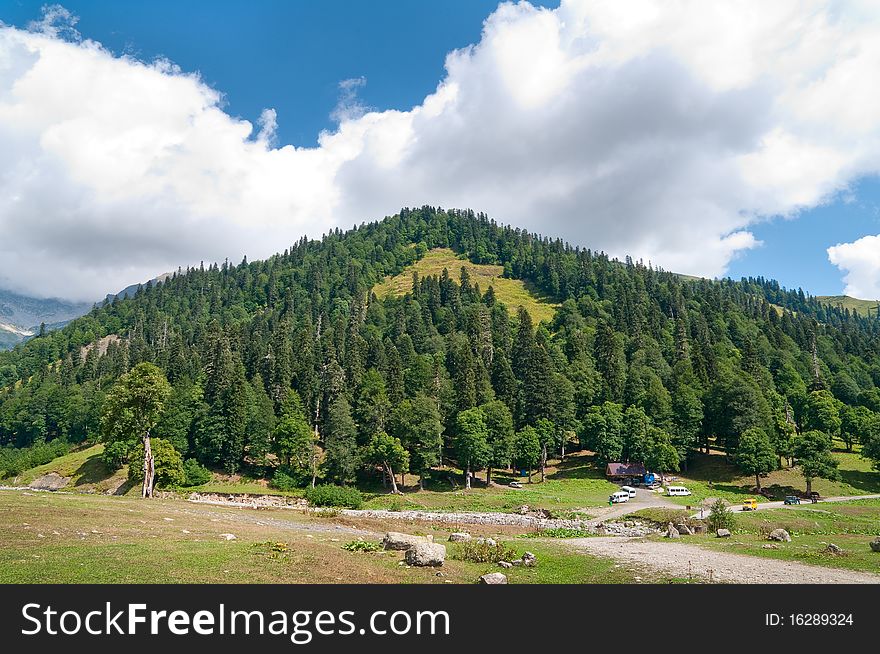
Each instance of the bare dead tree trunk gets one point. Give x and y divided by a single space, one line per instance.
149 468
543 461
390 473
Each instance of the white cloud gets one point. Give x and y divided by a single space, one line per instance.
860 260
652 128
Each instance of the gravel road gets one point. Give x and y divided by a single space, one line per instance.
680 560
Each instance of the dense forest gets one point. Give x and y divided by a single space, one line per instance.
293 367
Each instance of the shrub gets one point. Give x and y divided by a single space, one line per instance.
362 546
286 479
559 532
194 473
115 454
335 496
720 517
484 552
168 463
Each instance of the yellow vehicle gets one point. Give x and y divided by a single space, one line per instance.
751 504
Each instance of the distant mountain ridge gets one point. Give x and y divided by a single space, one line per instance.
21 316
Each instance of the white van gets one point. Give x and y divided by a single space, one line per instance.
677 490
628 489
619 496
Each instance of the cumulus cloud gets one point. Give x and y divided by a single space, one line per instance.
657 129
860 260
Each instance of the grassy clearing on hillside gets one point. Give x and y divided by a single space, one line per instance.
863 307
512 292
576 483
64 538
710 476
849 525
85 469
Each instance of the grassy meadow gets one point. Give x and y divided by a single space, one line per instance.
72 538
512 292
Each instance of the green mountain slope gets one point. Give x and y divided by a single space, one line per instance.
632 362
863 307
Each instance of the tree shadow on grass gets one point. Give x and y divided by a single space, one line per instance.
711 467
92 471
861 479
581 467
125 486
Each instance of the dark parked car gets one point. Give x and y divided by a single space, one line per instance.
792 499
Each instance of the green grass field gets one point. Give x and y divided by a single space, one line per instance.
710 476
69 538
512 292
576 483
849 525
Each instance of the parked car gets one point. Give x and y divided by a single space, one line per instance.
750 504
515 484
619 496
792 499
677 491
628 489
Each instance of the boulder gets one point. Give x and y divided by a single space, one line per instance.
723 533
396 541
671 531
875 544
699 529
51 481
770 546
228 536
491 542
494 578
831 548
459 537
425 554
684 530
779 535
529 560
507 565
524 509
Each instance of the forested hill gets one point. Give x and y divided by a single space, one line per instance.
679 360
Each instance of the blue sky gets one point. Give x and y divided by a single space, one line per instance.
287 54
794 250
528 148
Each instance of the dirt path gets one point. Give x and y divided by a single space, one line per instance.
682 560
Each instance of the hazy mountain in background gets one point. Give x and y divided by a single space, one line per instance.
21 316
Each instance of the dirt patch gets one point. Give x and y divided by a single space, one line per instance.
691 561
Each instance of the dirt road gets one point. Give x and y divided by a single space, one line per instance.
683 560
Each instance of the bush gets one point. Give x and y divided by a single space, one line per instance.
335 496
720 517
559 532
362 546
484 552
116 454
194 473
288 479
168 463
